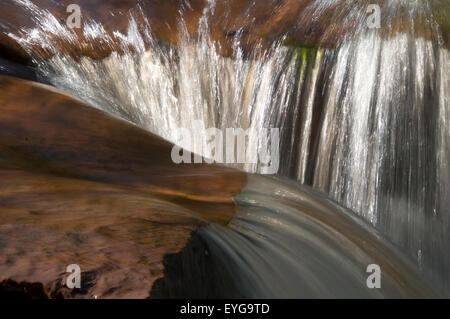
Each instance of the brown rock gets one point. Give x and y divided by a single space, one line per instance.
78 186
259 22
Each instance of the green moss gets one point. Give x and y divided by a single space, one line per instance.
443 18
295 44
441 12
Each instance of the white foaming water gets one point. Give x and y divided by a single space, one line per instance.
367 123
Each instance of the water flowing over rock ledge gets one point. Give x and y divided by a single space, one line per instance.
261 23
363 115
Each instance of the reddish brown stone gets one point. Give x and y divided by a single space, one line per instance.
78 186
261 22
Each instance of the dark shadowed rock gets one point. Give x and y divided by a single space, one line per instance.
193 274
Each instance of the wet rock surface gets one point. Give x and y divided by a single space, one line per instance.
194 274
78 186
256 23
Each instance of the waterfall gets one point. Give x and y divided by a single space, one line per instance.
367 122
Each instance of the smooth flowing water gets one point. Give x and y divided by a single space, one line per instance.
291 241
367 123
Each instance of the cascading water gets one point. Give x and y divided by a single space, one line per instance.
290 241
367 122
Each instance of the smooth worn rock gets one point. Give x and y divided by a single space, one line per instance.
78 186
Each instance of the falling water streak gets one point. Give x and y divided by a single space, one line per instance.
367 123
